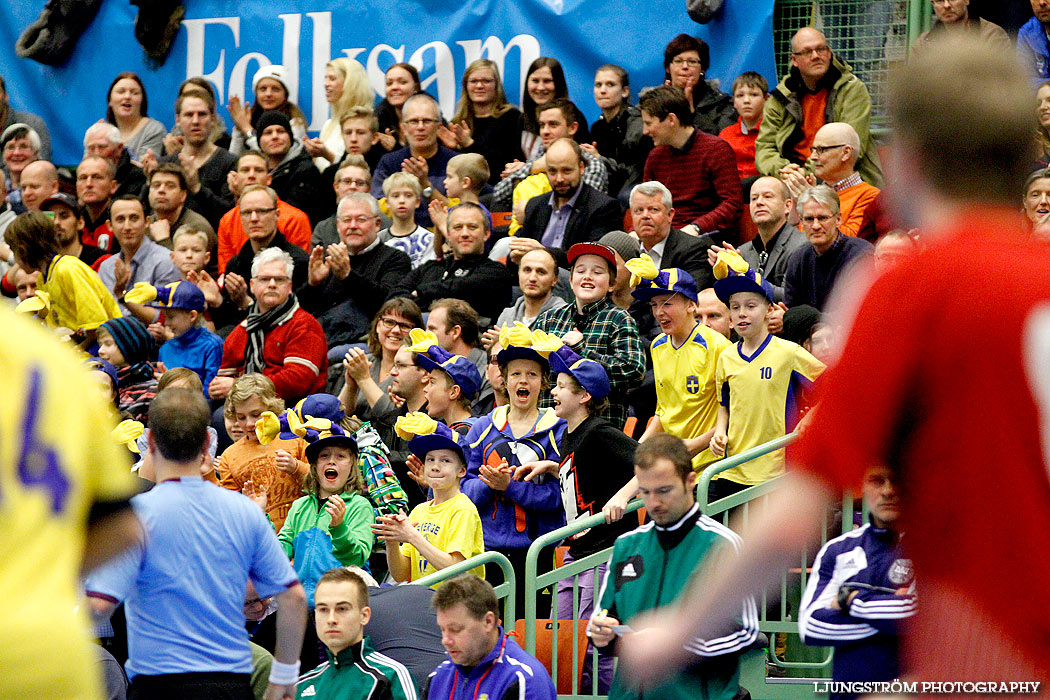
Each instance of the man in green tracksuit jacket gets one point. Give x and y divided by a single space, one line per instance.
651 567
354 669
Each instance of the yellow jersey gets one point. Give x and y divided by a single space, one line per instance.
79 299
57 459
452 526
760 392
686 400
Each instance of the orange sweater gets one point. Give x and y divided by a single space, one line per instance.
292 222
852 202
244 460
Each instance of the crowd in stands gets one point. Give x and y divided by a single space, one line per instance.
426 336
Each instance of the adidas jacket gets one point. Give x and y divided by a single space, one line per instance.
506 673
357 672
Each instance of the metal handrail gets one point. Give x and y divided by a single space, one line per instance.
505 590
704 482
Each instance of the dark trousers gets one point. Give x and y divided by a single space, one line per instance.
191 686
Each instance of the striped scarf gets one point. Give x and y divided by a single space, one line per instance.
258 325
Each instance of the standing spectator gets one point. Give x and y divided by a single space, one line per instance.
270 88
20 146
653 211
9 116
686 60
1031 44
617 133
819 89
292 173
453 386
953 17
699 169
485 122
345 87
544 83
749 98
103 139
126 109
777 240
401 81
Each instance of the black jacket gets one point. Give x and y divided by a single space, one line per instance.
297 181
690 254
594 215
713 110
484 284
788 239
214 198
624 149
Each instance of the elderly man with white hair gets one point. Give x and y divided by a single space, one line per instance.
103 139
278 339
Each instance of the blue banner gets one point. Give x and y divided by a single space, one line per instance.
227 41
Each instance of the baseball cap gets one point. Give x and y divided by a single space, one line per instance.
590 374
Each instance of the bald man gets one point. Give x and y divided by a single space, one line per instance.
819 89
771 205
39 181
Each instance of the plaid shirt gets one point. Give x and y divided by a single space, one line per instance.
609 337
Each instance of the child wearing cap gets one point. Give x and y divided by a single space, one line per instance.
454 382
127 345
444 530
758 381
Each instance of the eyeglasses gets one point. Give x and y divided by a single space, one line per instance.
481 81
421 122
361 220
389 323
691 62
355 181
265 281
249 213
818 51
821 218
821 150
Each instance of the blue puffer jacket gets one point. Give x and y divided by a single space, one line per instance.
1034 49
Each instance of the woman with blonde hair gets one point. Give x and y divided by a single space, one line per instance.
485 123
345 86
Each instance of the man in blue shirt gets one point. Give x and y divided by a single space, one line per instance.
184 585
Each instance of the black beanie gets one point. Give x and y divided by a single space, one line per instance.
269 119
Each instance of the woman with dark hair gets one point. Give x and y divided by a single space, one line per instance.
402 81
270 87
1042 113
126 105
389 331
485 122
686 60
617 133
545 81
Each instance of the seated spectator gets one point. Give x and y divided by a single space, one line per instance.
894 248
102 139
79 299
25 283
537 275
342 612
401 82
952 18
278 467
1036 201
699 169
653 211
270 91
595 328
453 386
749 97
139 259
626 247
348 281
444 530
69 222
711 312
95 190
19 146
769 252
126 109
251 169
190 254
686 60
465 176
292 173
39 181
813 270
424 156
9 116
403 194
478 648
352 175
485 122
557 120
617 133
456 327
466 274
168 193
346 87
127 345
1042 132
278 339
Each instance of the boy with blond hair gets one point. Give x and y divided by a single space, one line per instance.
403 196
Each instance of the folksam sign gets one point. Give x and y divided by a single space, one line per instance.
226 42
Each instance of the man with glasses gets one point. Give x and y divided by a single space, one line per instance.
820 89
348 281
352 175
813 270
424 156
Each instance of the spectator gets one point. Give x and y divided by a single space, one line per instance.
139 259
479 649
537 275
711 312
25 283
354 668
352 175
168 192
456 327
686 60
69 222
360 130
485 123
104 140
424 156
219 136
1036 200
270 88
544 83
278 339
466 274
699 169
617 133
892 249
749 97
127 345
446 529
401 81
403 194
1042 113
652 566
465 176
190 254
348 281
953 17
856 604
20 146
277 467
595 328
1034 52
345 87
453 386
653 212
95 191
292 173
760 385
387 333
769 252
181 516
819 89
39 180
126 109
627 247
293 223
9 116
813 270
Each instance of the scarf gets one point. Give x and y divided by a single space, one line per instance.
258 325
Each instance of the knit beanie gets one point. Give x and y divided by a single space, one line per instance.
799 322
273 117
623 243
132 339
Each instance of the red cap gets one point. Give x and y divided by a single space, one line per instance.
602 251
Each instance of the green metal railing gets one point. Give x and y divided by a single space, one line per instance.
504 591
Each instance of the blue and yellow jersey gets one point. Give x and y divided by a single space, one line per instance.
56 460
761 393
686 400
79 299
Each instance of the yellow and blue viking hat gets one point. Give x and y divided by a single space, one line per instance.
431 356
177 295
319 406
127 433
649 282
318 432
588 373
520 343
424 434
733 275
